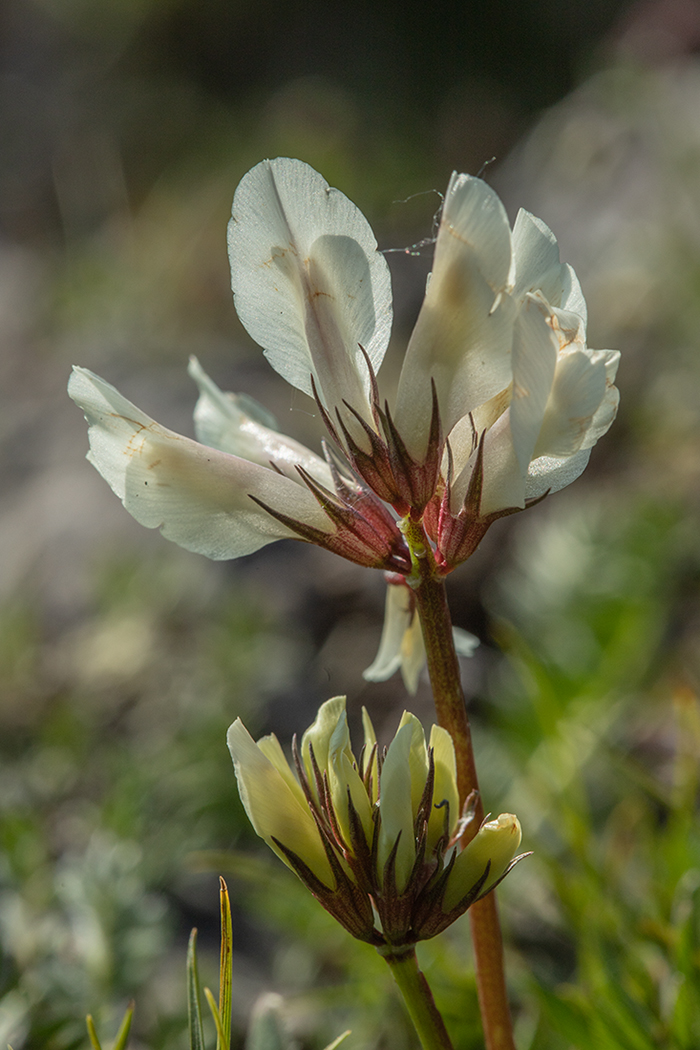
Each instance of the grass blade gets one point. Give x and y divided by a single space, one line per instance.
226 966
194 1009
220 1037
92 1032
124 1028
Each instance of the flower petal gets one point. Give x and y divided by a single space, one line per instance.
417 759
445 790
493 846
534 361
226 422
577 393
462 339
197 496
309 284
274 810
401 645
550 474
319 734
395 808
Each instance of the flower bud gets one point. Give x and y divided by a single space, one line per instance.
377 838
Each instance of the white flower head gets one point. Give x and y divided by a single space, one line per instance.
499 402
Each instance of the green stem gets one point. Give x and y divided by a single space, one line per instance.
419 1000
451 711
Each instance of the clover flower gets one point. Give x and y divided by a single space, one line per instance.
499 401
377 838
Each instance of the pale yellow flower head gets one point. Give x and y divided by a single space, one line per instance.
374 838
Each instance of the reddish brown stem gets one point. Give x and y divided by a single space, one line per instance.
451 711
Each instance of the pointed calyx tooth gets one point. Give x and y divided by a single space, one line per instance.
376 840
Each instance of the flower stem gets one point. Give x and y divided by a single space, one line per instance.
419 1000
450 707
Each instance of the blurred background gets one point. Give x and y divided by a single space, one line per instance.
124 129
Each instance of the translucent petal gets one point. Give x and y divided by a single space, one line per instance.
226 422
577 392
272 750
197 496
549 474
536 255
273 808
308 282
397 618
534 361
462 339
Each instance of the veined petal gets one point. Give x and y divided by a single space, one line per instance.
607 410
395 808
309 284
550 474
494 846
233 423
534 361
577 393
445 790
536 257
197 496
274 810
462 339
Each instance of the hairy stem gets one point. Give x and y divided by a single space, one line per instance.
419 1000
450 707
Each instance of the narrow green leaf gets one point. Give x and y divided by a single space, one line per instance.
220 1037
92 1032
124 1028
226 966
339 1040
194 1009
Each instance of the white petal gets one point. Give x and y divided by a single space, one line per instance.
401 646
274 810
462 339
537 266
606 412
308 282
465 643
577 393
227 422
198 497
397 619
534 362
503 484
549 474
536 255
